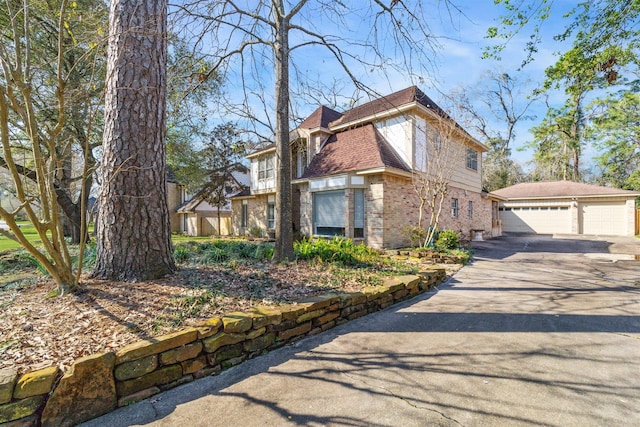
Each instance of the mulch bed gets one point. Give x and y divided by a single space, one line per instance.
38 329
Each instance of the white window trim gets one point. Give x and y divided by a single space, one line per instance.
471 159
265 168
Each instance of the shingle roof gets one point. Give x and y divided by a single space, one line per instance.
261 150
537 190
389 102
320 118
352 150
244 193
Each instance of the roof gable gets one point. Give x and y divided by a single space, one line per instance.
320 118
388 103
354 150
236 182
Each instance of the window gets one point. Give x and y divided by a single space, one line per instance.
271 215
472 159
454 208
245 214
328 213
358 213
470 209
301 159
265 167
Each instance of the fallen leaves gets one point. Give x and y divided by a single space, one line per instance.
36 331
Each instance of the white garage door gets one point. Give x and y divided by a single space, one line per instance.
603 218
541 220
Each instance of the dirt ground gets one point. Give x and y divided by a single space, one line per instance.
39 329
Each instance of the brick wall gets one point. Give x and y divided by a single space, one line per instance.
481 219
401 206
391 205
374 212
257 210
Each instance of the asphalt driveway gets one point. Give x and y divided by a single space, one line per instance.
537 331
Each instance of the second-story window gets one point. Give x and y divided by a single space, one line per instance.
472 159
301 160
265 167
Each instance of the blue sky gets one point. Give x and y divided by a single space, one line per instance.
461 63
458 62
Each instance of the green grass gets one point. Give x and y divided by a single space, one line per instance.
28 230
181 238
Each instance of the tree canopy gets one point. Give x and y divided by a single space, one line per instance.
597 72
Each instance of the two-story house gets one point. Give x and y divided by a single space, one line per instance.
198 215
354 173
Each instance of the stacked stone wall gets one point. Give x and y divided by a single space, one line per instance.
100 383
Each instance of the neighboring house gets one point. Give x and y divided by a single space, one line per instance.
352 174
566 207
197 217
177 195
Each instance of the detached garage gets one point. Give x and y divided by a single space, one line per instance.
566 207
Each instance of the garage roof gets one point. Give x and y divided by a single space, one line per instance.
549 189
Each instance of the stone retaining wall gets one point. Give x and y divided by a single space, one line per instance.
100 383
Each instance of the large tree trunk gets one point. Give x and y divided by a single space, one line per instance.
133 230
284 229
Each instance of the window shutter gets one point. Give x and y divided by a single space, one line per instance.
329 208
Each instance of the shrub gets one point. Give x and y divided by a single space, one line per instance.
41 268
15 260
246 250
447 240
463 254
416 236
221 251
181 254
256 231
338 249
90 255
263 251
216 255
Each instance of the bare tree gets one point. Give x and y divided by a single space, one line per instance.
443 153
493 107
46 126
263 40
76 54
133 230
